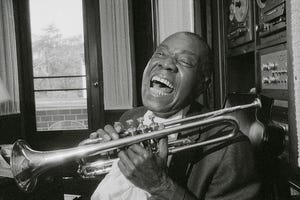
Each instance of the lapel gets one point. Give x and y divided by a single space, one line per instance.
182 162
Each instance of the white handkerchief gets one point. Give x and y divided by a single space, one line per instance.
115 186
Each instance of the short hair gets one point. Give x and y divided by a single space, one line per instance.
206 64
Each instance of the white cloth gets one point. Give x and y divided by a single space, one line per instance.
115 186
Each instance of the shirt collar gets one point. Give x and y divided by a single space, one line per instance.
179 115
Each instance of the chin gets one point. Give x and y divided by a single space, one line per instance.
158 105
154 104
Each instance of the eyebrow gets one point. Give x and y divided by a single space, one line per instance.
182 51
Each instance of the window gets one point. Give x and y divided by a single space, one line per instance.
59 70
67 83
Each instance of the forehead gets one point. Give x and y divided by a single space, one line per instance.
183 43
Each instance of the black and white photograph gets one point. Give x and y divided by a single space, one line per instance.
149 100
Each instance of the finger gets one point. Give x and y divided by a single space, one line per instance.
103 134
136 159
94 135
90 141
163 148
118 126
126 161
112 132
82 143
123 169
139 150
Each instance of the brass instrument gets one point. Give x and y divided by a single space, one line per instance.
27 164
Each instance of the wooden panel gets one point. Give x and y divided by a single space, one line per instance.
293 40
218 48
21 8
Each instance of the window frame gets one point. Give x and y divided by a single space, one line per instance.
93 62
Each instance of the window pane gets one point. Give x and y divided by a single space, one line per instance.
60 96
58 56
65 59
57 37
59 83
61 110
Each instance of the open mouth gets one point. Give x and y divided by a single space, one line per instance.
160 86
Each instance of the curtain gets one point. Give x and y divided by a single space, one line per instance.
9 87
174 16
117 54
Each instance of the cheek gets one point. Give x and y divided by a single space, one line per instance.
189 80
149 66
146 76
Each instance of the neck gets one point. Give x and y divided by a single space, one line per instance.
165 115
173 113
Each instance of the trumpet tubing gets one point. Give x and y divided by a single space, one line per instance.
104 163
27 164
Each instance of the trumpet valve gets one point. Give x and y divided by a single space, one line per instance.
153 125
142 128
131 130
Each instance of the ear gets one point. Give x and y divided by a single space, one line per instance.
207 81
201 88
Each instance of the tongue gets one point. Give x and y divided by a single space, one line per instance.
162 87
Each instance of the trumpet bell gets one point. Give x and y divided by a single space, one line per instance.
21 166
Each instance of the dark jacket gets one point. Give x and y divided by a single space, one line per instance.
223 171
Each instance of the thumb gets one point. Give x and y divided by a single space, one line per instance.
163 148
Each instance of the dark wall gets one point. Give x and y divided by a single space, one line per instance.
143 39
240 73
10 128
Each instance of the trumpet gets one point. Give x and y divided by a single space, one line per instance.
27 164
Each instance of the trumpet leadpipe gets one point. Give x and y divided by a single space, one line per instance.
255 104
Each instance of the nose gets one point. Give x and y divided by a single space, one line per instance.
169 64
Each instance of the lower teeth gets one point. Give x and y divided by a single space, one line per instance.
158 91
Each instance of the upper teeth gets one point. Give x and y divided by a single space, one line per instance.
162 80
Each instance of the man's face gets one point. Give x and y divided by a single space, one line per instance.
171 76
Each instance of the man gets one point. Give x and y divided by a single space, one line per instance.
177 73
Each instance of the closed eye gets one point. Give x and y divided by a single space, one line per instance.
159 53
185 63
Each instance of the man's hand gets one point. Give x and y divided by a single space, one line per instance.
145 169
107 134
103 135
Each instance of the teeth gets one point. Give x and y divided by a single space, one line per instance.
158 92
164 81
